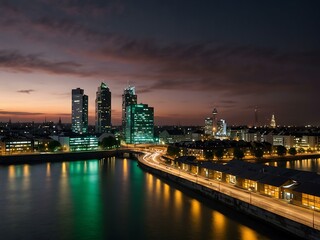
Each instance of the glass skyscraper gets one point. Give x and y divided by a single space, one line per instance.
103 109
139 124
128 97
79 111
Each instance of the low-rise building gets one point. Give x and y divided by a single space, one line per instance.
16 145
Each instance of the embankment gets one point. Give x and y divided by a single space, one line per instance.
290 226
55 157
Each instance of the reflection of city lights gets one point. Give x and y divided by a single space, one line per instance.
11 170
48 169
247 233
26 170
219 224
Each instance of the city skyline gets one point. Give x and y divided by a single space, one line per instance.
184 60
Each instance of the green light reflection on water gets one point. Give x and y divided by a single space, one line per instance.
82 200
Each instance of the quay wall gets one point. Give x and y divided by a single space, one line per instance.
59 157
288 225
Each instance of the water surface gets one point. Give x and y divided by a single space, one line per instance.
111 199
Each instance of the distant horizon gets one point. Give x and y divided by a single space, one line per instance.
168 125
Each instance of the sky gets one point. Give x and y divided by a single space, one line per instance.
184 58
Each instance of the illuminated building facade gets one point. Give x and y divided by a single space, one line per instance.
139 124
79 111
273 121
13 146
221 128
128 97
214 121
208 126
79 143
103 109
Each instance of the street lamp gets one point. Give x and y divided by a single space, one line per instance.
312 207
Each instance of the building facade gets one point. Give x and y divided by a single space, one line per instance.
221 128
103 109
139 124
128 97
208 126
79 111
79 143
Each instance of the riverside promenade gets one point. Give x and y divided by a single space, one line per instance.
299 221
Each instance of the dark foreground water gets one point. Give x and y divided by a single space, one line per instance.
111 199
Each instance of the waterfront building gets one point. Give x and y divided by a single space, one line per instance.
139 124
208 126
284 140
300 188
77 143
16 145
79 111
128 97
103 109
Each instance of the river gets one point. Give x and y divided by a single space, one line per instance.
112 199
311 165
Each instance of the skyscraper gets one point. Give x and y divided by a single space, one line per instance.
103 109
79 111
208 126
273 121
139 124
128 97
214 121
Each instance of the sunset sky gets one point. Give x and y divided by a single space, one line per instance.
184 58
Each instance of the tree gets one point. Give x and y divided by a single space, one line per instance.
54 146
238 153
301 150
281 150
208 154
173 151
258 152
292 151
109 143
219 153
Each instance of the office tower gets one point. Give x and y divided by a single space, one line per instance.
139 124
79 111
273 121
128 97
103 109
214 121
221 128
208 126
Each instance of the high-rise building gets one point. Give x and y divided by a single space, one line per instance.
221 128
128 97
208 126
103 109
139 124
214 121
273 121
79 111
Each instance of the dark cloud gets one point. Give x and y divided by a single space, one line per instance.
28 91
206 67
16 61
20 113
